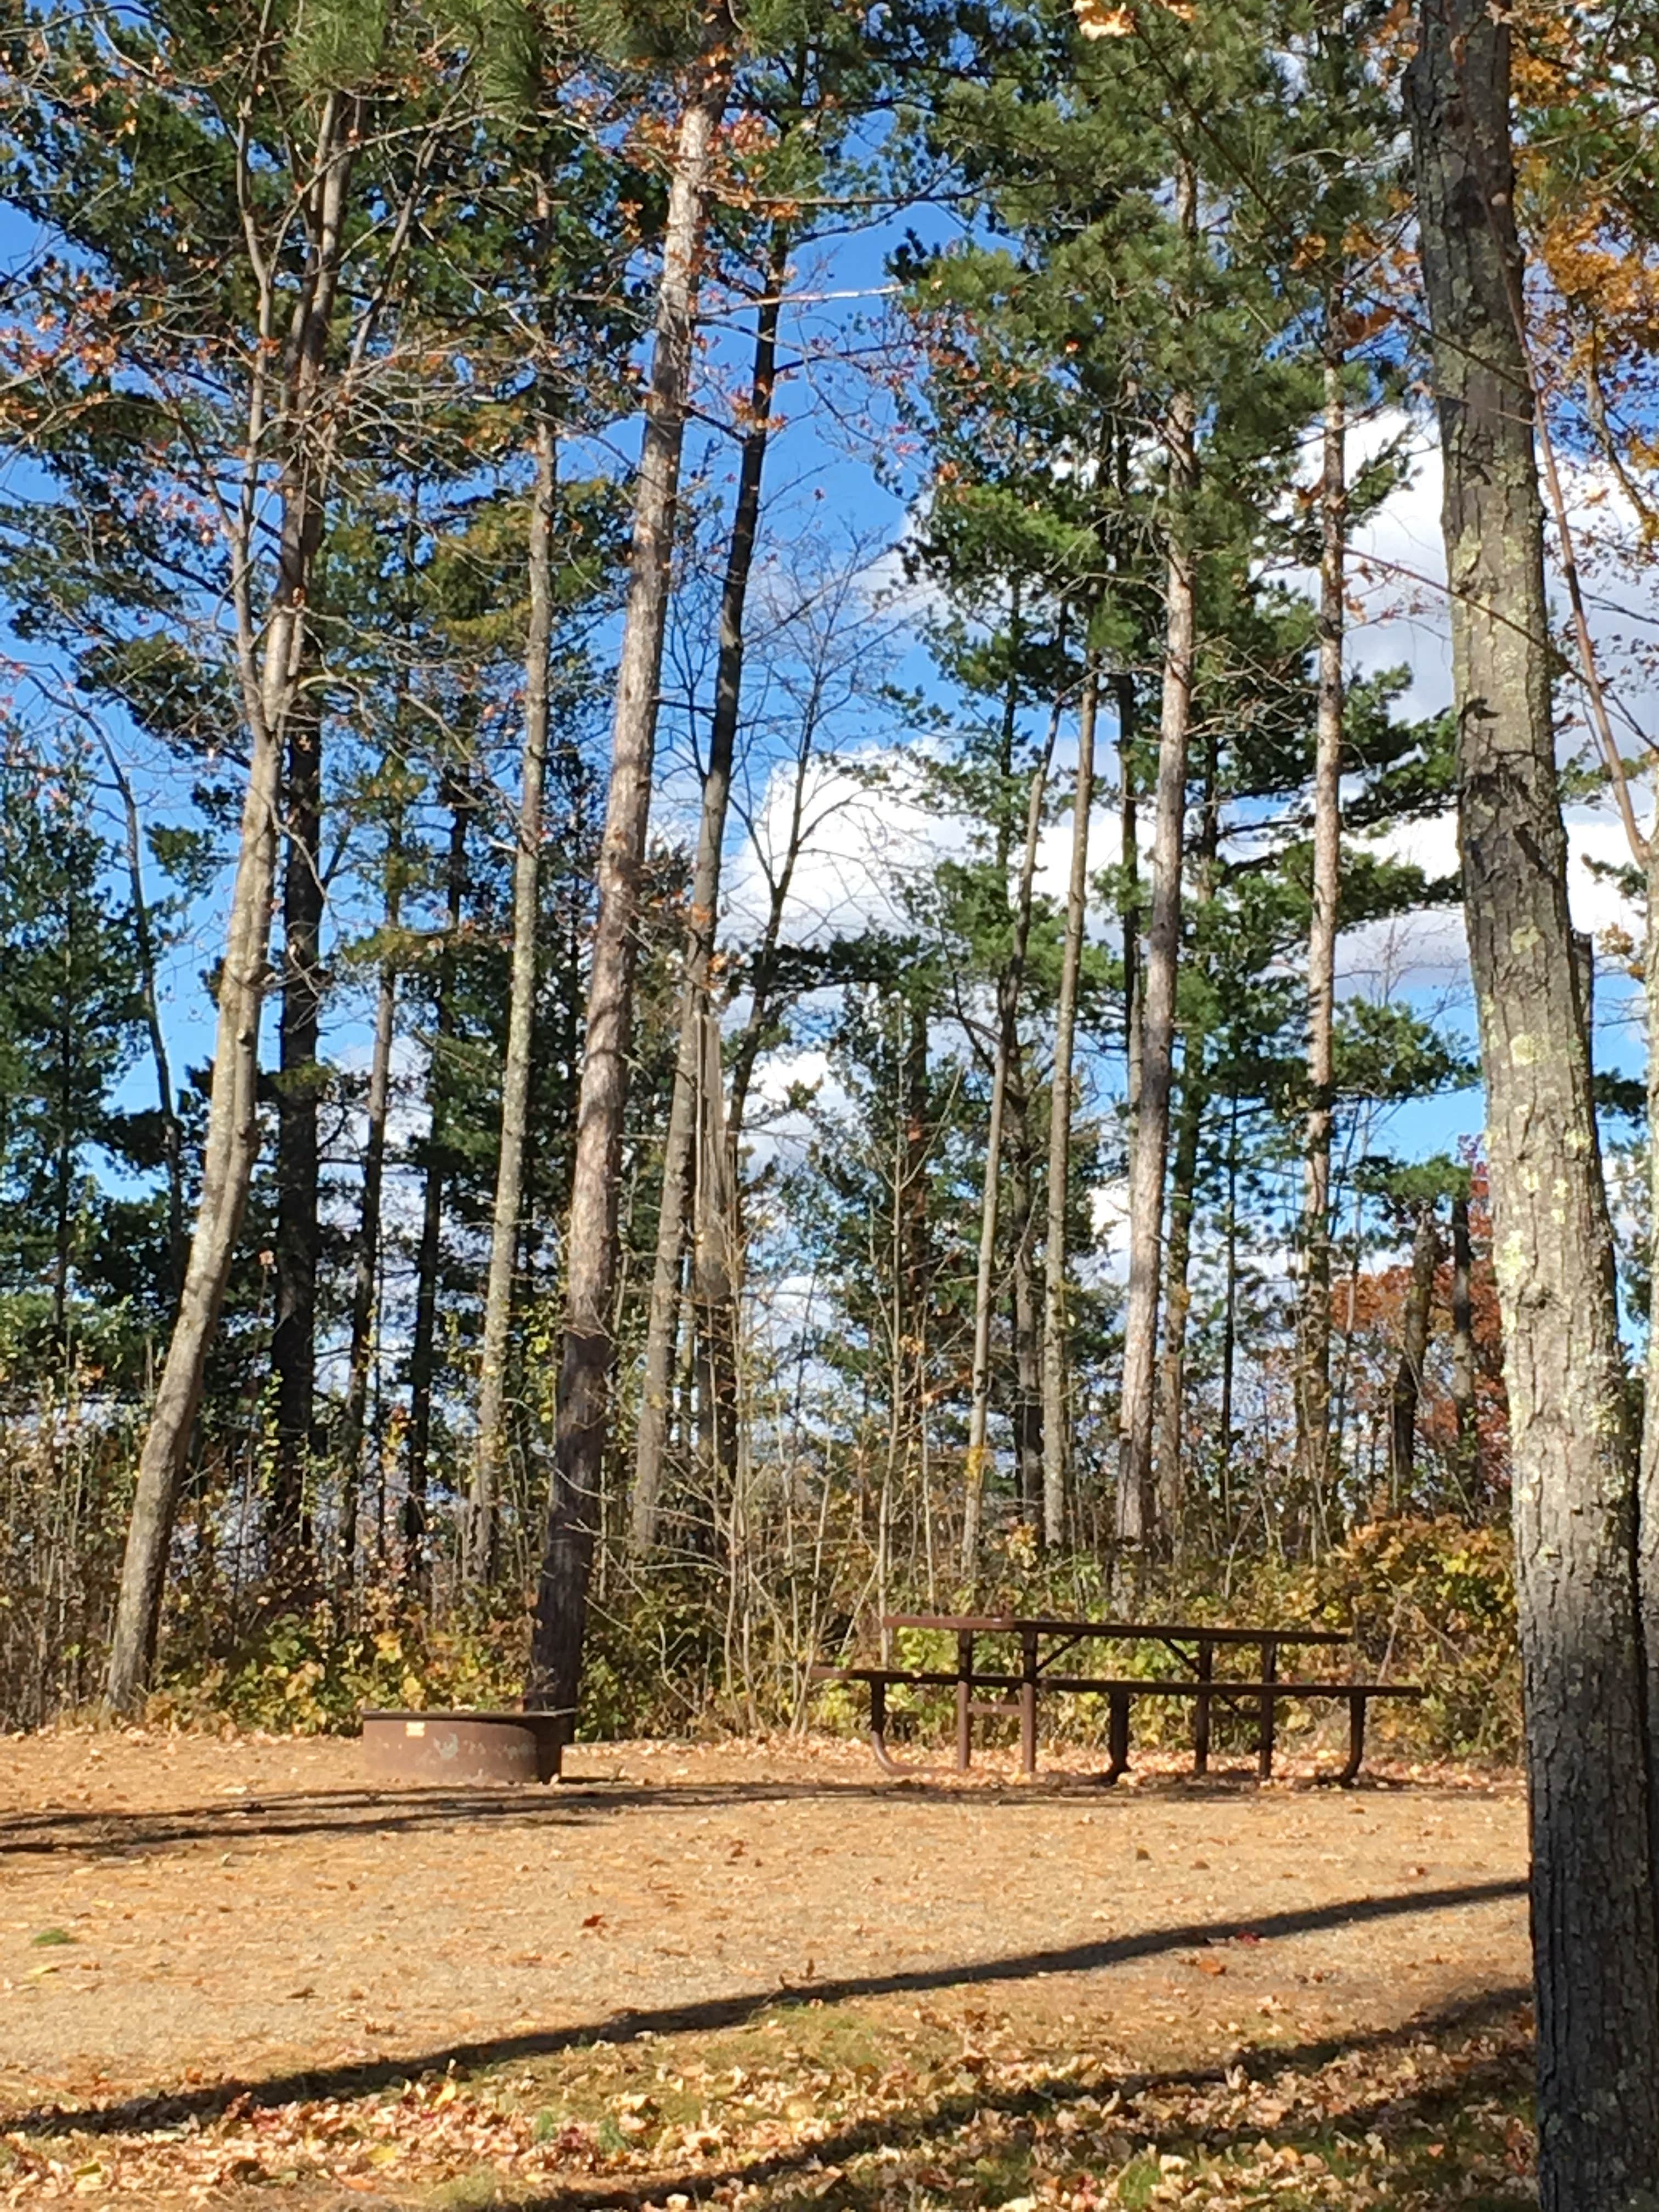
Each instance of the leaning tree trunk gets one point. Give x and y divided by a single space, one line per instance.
1312 1359
651 1439
1136 1500
232 1140
478 1557
1413 1353
1056 1411
590 1245
1596 1941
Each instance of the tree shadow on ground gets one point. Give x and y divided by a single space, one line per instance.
362 2078
1436 2138
103 1831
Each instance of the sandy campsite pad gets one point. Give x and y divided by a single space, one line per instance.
226 1965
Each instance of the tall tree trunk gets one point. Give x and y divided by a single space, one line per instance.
1025 1316
267 680
1594 1936
1462 1351
915 1257
591 1244
662 1326
1003 1068
1178 1296
1313 1365
478 1560
293 1337
173 1146
1136 1501
423 1343
1183 1183
1129 909
1413 1352
713 1277
1056 1421
366 1266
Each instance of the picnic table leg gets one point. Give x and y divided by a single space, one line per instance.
878 1725
1028 1696
1117 1733
964 1702
1357 1705
1269 1675
1201 1708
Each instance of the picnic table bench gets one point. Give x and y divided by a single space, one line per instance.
1043 1642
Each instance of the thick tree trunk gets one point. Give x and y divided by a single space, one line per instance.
1056 1421
232 1140
1313 1366
652 1437
1003 1068
366 1266
591 1244
298 1235
478 1558
1596 1941
1413 1352
1136 1500
423 1343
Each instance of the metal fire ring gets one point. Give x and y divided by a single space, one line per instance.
462 1748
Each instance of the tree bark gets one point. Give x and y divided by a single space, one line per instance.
652 1437
423 1344
1008 985
1056 1421
1184 1183
1026 1318
1136 1499
268 676
1595 1943
478 1557
1413 1352
590 1247
1313 1372
1177 1295
1462 1351
366 1266
298 1233
1129 909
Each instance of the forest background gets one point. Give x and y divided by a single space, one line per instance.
999 1210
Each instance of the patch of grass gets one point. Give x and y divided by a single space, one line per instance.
1137 2181
468 2192
49 1936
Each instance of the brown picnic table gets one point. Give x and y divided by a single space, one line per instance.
1044 1642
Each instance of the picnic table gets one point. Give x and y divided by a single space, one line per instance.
1044 1642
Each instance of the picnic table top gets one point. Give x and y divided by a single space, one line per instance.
1005 1624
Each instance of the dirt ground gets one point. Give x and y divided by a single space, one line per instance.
200 1940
